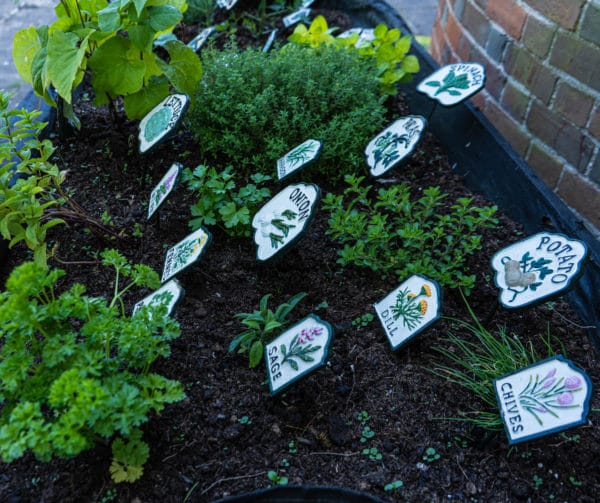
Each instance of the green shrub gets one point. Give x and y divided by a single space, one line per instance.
396 235
74 370
253 107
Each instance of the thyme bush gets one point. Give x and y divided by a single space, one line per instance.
252 107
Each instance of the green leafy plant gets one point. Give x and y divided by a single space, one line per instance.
32 200
252 107
262 326
75 371
113 42
276 479
392 486
372 453
200 11
431 455
392 234
387 51
220 203
474 364
363 320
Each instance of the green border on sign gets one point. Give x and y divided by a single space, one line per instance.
308 163
466 96
175 127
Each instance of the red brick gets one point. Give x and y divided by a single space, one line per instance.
567 140
508 14
578 58
518 139
515 101
476 23
582 195
453 30
572 104
545 164
537 36
464 49
595 171
495 77
530 71
564 12
594 127
479 100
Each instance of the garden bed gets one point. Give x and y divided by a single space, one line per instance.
228 432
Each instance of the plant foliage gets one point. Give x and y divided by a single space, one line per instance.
262 326
75 371
253 107
114 42
392 234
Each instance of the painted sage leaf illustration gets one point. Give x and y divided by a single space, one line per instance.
300 347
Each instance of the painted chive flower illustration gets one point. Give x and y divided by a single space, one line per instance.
549 395
300 347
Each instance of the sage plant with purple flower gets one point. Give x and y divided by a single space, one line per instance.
300 347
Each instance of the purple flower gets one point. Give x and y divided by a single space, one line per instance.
565 398
550 374
549 383
541 409
572 382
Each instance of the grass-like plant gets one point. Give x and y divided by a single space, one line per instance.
474 364
252 107
393 234
262 326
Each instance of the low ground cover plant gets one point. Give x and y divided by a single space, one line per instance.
252 107
393 234
75 370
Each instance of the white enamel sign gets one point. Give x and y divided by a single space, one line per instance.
163 189
453 83
185 253
295 17
298 157
549 396
282 221
536 268
394 144
409 309
270 40
297 351
169 294
162 121
199 40
365 35
226 4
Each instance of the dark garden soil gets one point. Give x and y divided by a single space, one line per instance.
201 451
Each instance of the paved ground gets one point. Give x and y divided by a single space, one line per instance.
15 15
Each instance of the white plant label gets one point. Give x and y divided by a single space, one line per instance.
454 83
185 253
394 144
169 294
409 309
199 40
297 351
536 268
163 189
295 17
298 157
226 4
162 121
549 396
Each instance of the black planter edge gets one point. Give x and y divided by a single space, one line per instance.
490 166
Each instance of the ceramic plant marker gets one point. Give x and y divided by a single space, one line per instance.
298 157
199 40
185 253
297 352
409 309
270 40
543 398
162 121
537 268
226 4
163 189
394 144
283 220
170 294
296 17
453 83
364 35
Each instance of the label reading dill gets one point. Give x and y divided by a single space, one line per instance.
185 253
162 121
283 220
543 398
163 189
199 40
168 295
409 309
536 268
453 83
394 144
297 351
298 157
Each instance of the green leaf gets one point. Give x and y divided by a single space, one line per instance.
256 353
141 37
293 364
433 83
137 105
163 17
65 57
184 70
139 6
26 44
109 19
410 64
116 70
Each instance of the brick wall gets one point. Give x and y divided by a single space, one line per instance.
543 84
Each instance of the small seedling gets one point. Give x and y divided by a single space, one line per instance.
373 453
322 305
431 455
285 463
396 484
245 420
276 479
574 481
367 434
363 321
537 482
363 417
292 449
